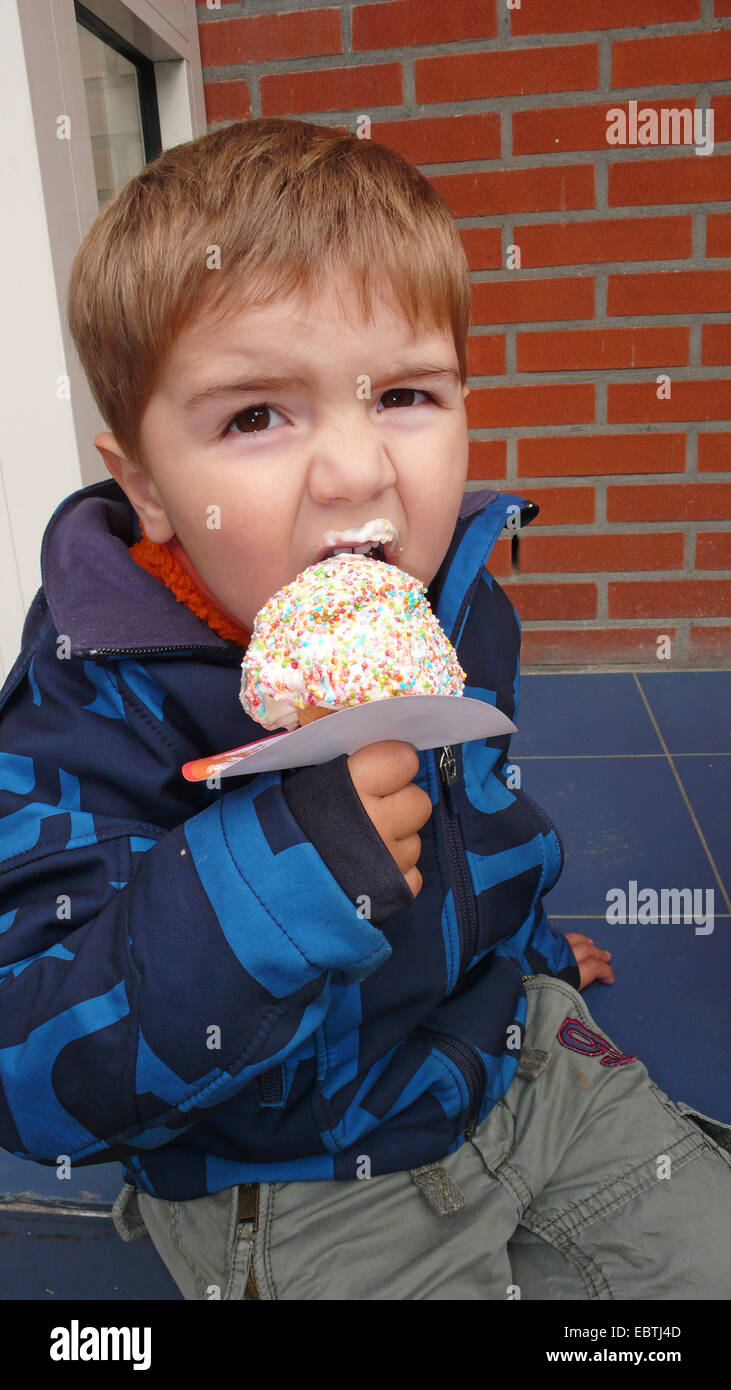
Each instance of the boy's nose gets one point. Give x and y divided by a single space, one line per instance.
349 464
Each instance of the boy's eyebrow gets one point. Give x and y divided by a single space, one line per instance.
415 371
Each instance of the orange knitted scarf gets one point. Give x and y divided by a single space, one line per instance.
168 561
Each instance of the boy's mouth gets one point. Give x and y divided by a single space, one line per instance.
378 539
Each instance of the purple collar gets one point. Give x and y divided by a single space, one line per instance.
98 595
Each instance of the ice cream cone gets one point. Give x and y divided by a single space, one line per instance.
312 712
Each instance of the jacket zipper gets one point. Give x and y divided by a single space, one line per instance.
470 1066
153 651
464 896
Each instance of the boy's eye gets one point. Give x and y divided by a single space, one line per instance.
405 391
256 418
253 416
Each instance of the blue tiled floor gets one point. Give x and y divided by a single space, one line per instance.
634 769
58 1240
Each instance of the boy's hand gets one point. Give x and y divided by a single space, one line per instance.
593 962
382 774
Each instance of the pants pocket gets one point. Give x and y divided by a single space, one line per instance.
717 1131
199 1241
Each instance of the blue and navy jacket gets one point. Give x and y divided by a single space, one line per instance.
227 985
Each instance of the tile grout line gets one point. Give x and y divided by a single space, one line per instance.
609 670
683 793
526 757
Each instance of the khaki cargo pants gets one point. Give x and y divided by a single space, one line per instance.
585 1182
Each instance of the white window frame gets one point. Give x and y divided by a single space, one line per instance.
50 201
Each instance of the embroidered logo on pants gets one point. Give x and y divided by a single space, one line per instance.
575 1035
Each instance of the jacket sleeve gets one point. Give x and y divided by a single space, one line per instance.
149 973
543 949
324 801
547 952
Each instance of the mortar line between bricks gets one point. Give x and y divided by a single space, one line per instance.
601 183
506 138
632 479
609 376
535 481
627 579
585 216
694 353
601 292
526 578
511 335
618 528
498 43
503 25
635 428
568 626
511 465
585 269
600 502
602 600
488 325
683 793
693 372
252 82
691 456
549 481
416 52
346 29
699 244
604 85
408 83
600 409
550 159
508 104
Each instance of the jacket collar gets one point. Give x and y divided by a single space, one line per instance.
106 604
99 596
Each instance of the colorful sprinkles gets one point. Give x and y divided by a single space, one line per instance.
346 630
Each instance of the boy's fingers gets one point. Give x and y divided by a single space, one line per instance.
592 969
584 949
406 852
383 768
414 880
403 812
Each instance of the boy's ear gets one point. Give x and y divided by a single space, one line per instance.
138 486
466 390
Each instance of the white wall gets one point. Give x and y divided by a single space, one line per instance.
47 430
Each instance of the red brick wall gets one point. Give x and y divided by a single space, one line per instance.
622 277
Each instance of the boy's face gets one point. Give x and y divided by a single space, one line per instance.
250 481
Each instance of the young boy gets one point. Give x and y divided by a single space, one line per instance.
319 1014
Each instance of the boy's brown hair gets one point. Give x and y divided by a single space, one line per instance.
288 203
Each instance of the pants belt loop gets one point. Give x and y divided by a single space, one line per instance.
438 1189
